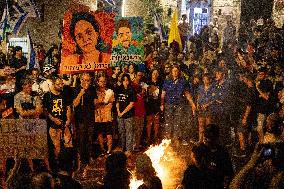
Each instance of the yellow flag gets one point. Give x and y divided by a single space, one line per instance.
3 46
174 33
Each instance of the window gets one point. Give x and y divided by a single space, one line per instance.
22 42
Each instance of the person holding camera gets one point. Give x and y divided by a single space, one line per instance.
264 170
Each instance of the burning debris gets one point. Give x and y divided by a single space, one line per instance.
162 157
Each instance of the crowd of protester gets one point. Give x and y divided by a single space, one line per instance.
216 96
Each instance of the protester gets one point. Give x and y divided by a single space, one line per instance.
125 100
248 76
146 172
103 113
173 93
117 175
84 105
153 101
57 109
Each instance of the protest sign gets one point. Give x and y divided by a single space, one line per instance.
127 48
86 41
23 138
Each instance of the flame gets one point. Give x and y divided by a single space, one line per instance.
157 154
134 183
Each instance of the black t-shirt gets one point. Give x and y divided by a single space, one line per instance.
85 110
267 106
247 97
153 100
124 97
195 178
18 63
67 182
220 166
56 105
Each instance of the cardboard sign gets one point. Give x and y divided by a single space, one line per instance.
86 41
127 48
23 138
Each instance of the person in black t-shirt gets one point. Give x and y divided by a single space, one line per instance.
67 165
247 119
117 174
153 101
85 120
197 175
125 110
58 112
19 64
266 104
219 162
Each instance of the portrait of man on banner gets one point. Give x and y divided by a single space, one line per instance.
86 41
127 48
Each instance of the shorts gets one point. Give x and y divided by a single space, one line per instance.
55 136
103 128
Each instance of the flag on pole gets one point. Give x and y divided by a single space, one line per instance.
5 26
158 27
5 29
174 33
31 54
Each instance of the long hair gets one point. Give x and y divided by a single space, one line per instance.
144 168
117 175
128 77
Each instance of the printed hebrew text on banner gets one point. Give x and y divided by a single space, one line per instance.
86 41
127 48
23 138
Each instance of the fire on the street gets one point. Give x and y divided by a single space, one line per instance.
157 154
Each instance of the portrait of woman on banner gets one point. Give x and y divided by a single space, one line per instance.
90 50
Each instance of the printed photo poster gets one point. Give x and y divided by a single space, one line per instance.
126 47
86 41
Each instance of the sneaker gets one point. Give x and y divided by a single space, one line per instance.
241 154
108 153
184 143
193 142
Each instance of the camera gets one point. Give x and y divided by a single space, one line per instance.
275 152
267 152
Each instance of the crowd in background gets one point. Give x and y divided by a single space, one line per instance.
213 95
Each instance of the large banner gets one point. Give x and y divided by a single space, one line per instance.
23 138
86 41
127 48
